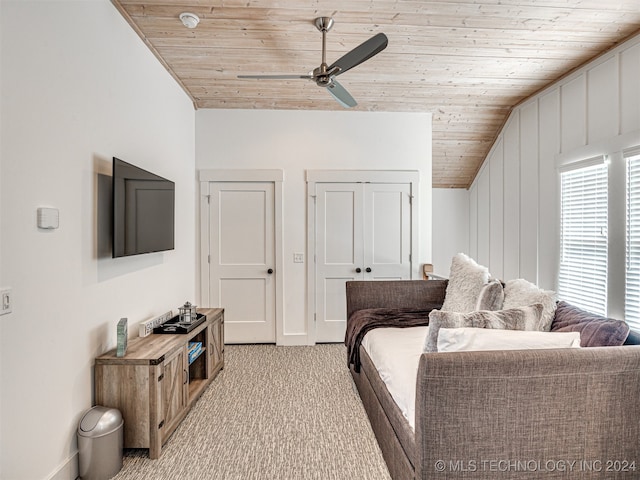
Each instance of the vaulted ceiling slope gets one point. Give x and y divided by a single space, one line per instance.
468 62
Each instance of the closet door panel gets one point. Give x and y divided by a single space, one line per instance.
363 232
387 231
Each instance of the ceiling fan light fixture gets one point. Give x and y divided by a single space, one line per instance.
189 20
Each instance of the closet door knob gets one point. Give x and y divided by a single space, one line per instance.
270 271
358 270
368 270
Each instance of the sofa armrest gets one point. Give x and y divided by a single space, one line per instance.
528 406
417 294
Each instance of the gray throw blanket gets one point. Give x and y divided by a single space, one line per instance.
361 321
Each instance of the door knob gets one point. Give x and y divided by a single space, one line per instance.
358 270
368 269
270 271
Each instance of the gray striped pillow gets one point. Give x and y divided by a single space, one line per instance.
522 318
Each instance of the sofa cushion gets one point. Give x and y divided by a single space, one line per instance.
520 292
523 318
466 279
474 339
595 330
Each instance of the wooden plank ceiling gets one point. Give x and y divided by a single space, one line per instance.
468 62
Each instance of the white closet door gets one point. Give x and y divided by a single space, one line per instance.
339 254
363 232
387 231
242 259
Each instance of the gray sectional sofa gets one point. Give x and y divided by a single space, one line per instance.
561 413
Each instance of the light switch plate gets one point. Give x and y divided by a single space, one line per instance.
298 258
48 218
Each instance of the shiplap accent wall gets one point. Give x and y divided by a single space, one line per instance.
514 200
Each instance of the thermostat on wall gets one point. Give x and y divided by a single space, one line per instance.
48 218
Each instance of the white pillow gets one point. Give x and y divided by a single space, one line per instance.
520 293
466 279
475 339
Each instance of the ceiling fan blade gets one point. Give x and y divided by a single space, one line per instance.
276 77
362 52
340 93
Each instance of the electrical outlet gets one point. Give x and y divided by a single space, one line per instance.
7 300
298 258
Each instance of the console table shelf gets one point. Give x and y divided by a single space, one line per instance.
154 386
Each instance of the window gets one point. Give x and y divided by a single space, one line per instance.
632 261
582 278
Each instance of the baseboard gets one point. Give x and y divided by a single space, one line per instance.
68 470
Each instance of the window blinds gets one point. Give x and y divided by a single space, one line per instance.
632 270
582 278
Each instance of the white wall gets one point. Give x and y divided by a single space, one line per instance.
79 87
1 279
450 227
296 141
596 110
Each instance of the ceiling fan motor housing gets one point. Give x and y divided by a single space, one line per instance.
321 76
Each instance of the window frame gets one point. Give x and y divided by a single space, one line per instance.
632 238
582 248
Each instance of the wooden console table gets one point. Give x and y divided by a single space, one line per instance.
154 385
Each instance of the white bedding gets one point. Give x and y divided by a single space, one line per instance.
396 353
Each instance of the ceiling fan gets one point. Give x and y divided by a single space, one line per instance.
324 75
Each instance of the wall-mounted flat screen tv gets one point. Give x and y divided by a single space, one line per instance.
143 211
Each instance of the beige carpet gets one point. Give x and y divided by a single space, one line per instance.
272 413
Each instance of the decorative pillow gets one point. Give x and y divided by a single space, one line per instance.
475 339
491 296
519 293
466 279
595 330
524 318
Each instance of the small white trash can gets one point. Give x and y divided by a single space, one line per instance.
100 443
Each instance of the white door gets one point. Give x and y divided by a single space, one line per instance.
387 231
339 254
363 232
242 256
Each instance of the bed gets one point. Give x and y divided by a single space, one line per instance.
489 415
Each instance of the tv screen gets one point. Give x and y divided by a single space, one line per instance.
143 211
